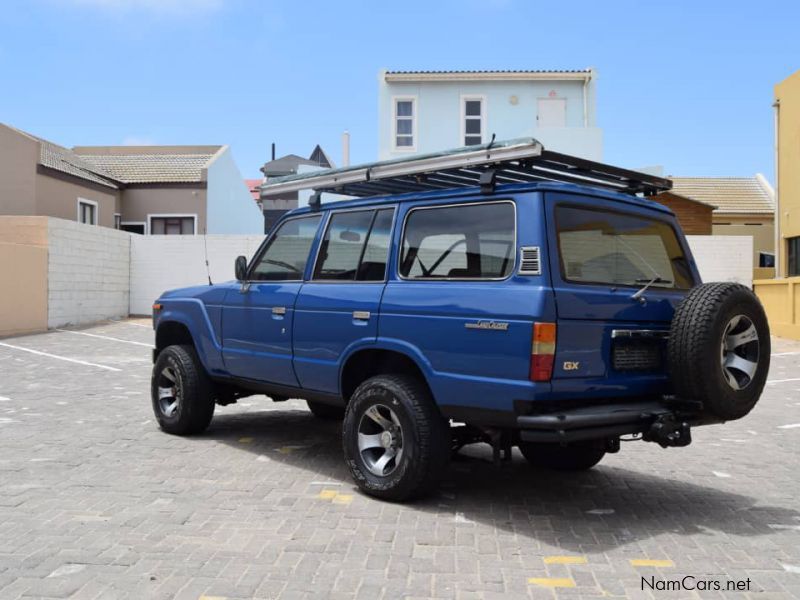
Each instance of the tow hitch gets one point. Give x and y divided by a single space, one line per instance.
668 431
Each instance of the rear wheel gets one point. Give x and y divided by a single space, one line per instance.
396 443
181 392
325 411
575 457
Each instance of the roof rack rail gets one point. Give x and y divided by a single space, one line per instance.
523 160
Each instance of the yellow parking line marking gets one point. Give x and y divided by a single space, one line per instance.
245 440
328 494
565 560
552 582
342 499
651 562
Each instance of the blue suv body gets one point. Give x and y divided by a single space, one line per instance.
538 315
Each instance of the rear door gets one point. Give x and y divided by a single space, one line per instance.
611 341
338 308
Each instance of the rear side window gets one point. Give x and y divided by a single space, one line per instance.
355 246
605 247
285 256
469 241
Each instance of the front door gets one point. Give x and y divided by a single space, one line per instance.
257 320
337 310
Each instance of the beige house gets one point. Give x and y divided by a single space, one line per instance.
142 189
742 206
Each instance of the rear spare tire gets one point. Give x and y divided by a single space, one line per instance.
719 349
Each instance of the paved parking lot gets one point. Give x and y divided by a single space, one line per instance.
95 502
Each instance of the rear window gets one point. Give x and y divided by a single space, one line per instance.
605 247
469 241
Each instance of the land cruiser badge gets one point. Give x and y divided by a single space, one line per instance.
490 325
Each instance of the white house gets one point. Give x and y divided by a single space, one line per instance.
428 111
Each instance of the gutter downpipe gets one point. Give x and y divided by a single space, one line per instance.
585 100
778 241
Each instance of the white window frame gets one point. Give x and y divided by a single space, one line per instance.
482 99
142 223
414 130
96 210
151 216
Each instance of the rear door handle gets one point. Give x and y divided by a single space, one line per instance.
278 310
361 315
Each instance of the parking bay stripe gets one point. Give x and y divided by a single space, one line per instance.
72 360
650 562
552 582
565 560
105 337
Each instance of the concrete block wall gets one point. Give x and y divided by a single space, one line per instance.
88 273
160 263
723 257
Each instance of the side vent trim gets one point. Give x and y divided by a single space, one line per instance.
530 261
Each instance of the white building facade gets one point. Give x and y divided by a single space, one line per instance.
429 111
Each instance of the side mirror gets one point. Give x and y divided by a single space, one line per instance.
241 268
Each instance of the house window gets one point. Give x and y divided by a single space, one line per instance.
87 211
172 225
472 110
404 123
766 259
794 256
134 227
117 220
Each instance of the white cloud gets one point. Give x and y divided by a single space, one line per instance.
181 7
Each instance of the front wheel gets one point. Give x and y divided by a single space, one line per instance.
181 392
575 457
396 443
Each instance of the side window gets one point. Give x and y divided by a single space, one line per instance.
470 241
355 246
341 248
376 253
286 255
605 247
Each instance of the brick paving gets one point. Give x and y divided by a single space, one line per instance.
96 502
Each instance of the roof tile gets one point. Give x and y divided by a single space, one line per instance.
745 195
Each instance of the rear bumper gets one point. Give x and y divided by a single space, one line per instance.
604 421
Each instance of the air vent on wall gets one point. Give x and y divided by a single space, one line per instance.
530 263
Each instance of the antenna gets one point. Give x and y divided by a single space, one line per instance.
205 249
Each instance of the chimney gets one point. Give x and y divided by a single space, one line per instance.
273 151
346 148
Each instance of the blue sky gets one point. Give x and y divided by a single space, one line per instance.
684 84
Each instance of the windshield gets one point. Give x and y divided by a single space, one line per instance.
605 247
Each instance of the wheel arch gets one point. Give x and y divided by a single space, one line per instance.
366 362
172 332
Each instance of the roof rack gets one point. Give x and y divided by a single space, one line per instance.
521 160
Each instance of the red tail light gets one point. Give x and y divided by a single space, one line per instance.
543 350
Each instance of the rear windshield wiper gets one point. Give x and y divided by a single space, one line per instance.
647 283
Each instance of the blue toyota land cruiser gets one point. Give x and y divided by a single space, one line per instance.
501 293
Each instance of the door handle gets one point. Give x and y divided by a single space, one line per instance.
278 310
361 315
